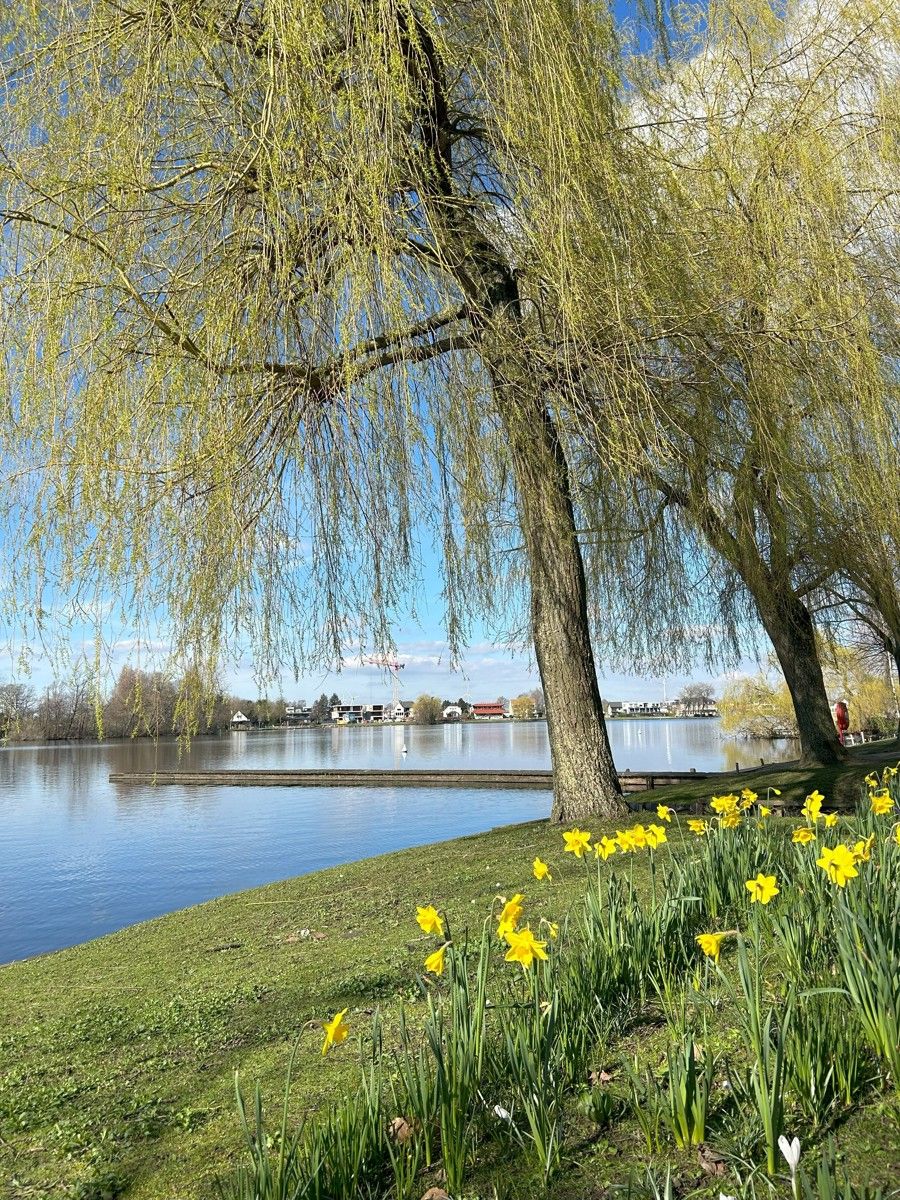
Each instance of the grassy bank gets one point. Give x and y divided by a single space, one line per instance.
118 1056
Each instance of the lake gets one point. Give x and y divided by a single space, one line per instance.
80 857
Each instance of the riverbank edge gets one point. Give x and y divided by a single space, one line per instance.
119 1053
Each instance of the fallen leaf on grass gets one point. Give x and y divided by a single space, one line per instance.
711 1161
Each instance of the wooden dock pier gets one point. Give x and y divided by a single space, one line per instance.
642 781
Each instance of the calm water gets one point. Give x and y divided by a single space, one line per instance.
80 856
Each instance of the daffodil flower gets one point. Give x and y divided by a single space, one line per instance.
862 851
604 848
509 915
540 869
711 944
881 803
336 1031
578 841
434 963
838 864
762 888
638 837
730 820
429 920
724 804
698 826
804 835
812 806
625 841
656 835
764 812
831 819
664 812
524 948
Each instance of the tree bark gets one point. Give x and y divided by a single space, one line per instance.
584 775
585 781
790 628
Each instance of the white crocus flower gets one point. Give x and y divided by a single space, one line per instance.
791 1152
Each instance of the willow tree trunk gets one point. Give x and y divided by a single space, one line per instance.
585 781
787 622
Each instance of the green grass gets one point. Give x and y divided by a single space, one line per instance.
117 1057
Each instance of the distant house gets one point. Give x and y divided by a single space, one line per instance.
613 708
347 714
375 712
643 708
697 708
239 721
488 710
451 712
400 711
296 714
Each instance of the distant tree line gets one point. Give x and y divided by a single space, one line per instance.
140 704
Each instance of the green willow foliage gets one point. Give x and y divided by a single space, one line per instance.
249 361
760 279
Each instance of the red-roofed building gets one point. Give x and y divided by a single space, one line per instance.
485 710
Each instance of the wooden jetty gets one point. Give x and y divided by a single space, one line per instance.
405 777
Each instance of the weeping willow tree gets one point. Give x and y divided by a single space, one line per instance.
859 538
760 283
273 305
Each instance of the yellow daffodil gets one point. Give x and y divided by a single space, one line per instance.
748 798
656 835
862 851
730 820
509 915
812 806
762 888
764 812
838 864
435 962
831 820
723 804
523 948
775 791
897 834
664 812
881 803
604 848
804 835
638 837
553 929
625 841
429 920
872 780
578 841
698 825
711 944
336 1031
540 869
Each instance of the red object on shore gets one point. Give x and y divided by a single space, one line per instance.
842 718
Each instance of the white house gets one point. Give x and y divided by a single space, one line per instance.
451 712
239 721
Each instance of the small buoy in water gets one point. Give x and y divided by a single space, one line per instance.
404 751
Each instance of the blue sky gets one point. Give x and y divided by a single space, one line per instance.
488 669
